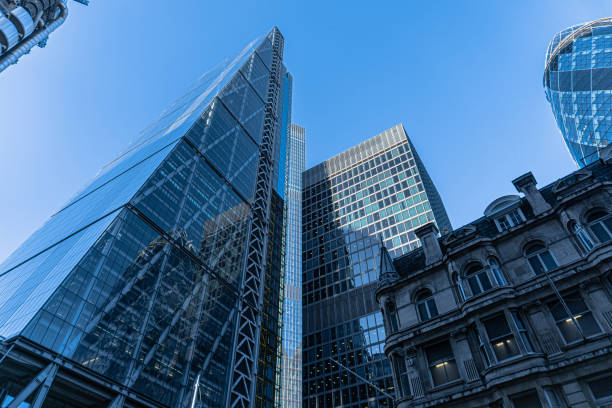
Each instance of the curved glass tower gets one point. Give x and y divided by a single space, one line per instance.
578 85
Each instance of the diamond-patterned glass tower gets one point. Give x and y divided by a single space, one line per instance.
578 85
147 287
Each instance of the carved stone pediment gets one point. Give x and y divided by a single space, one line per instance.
571 182
460 235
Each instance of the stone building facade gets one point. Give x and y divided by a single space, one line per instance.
512 310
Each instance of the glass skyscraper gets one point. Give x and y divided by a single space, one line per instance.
377 190
578 86
291 372
163 278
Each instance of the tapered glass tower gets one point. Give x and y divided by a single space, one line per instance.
578 86
376 191
148 286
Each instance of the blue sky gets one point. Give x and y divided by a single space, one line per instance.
463 77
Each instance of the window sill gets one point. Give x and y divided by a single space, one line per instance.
511 361
447 385
587 339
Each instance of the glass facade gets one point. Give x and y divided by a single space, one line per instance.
291 373
140 278
377 190
578 86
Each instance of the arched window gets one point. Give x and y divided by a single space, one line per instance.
391 313
600 224
477 278
582 236
539 257
496 271
426 305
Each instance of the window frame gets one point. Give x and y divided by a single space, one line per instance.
496 341
570 319
531 392
392 316
582 235
599 401
538 256
426 299
506 221
523 332
438 363
402 377
496 271
601 222
474 273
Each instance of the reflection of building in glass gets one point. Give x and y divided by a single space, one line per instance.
153 276
578 85
291 373
376 190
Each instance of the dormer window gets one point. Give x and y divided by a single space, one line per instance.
509 220
505 212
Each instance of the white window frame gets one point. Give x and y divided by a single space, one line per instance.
427 305
507 219
600 221
477 276
437 363
538 256
496 271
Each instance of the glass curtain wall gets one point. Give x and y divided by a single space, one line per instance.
377 190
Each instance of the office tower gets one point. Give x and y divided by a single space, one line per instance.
146 289
377 190
26 23
578 86
291 373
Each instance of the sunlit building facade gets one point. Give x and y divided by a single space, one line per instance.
578 86
377 190
291 371
162 279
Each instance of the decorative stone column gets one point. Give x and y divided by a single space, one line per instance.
416 384
464 357
539 317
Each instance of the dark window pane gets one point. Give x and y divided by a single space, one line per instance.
602 78
548 260
582 79
423 311
600 232
497 327
505 348
484 281
527 401
535 263
474 285
601 388
569 331
439 353
588 324
565 81
433 310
